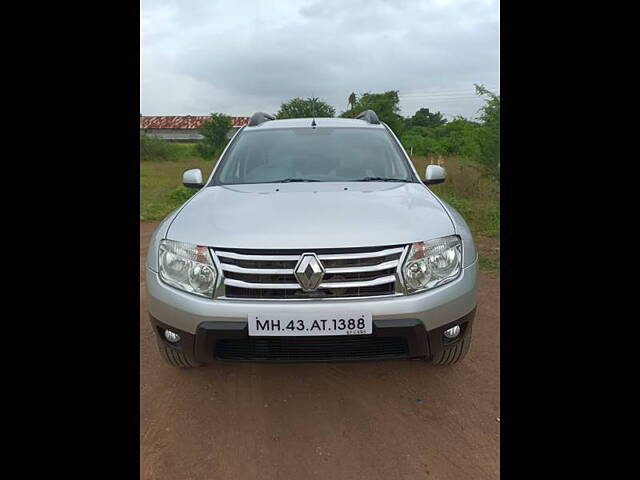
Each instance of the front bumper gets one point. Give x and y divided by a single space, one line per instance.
391 339
418 319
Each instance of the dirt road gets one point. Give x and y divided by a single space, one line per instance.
369 420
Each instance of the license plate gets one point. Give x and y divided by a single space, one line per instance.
309 324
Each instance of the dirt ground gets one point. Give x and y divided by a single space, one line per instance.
367 420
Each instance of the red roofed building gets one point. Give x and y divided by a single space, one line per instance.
182 128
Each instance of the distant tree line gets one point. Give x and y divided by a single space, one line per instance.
426 133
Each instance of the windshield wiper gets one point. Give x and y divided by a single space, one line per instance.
381 179
291 180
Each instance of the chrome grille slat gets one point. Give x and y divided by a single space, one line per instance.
293 286
368 283
269 286
265 271
349 256
348 273
257 258
369 268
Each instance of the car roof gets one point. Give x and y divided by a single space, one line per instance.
320 122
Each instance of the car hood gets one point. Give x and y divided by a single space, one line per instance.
311 216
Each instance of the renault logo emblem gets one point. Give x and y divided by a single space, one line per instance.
309 272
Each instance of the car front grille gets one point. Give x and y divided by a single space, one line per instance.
349 273
311 349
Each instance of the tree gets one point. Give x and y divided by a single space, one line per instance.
305 108
424 118
214 131
488 135
457 137
428 133
352 100
386 105
491 110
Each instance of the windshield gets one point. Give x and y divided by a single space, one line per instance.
313 154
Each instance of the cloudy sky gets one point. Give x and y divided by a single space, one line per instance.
203 56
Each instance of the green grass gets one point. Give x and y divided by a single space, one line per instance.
475 195
153 149
161 189
488 263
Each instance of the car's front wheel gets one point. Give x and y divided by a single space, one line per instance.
454 352
174 357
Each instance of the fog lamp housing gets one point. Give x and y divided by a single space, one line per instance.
452 332
171 336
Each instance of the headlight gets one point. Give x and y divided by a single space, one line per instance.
187 267
432 263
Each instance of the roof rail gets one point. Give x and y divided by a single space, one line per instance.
368 116
260 117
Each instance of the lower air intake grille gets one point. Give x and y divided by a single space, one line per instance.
235 292
311 349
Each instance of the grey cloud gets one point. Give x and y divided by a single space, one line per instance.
200 56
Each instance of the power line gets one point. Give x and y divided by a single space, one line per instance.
441 100
444 93
460 95
436 101
437 93
454 89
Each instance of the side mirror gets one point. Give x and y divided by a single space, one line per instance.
435 174
192 178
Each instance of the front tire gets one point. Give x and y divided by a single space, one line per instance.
455 352
174 357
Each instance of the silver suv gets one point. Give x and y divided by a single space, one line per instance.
312 240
